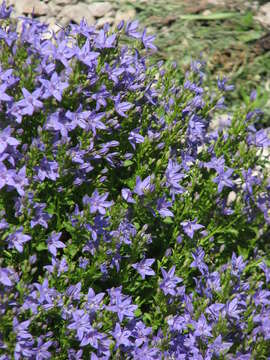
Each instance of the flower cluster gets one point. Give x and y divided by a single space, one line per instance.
128 229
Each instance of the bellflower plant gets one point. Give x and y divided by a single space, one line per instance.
128 229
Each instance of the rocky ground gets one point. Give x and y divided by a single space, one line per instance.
61 12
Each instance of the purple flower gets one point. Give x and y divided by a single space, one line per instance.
127 195
190 227
223 179
97 202
74 291
198 261
54 243
3 95
53 87
122 107
249 180
4 276
146 353
80 322
169 282
238 265
131 29
40 217
41 351
30 102
94 301
162 207
121 304
4 11
215 163
121 336
261 297
148 41
135 138
259 139
222 84
219 347
47 169
17 239
102 41
143 267
85 55
143 186
173 176
232 309
6 139
266 271
202 328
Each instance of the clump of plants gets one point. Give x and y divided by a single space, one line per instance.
128 228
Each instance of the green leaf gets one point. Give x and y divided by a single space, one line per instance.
249 36
168 220
42 246
214 16
127 163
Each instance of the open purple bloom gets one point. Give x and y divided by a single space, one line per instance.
162 207
97 202
80 323
223 179
259 139
53 87
17 239
3 95
148 40
121 336
266 271
190 226
202 328
127 195
4 276
221 82
143 186
54 243
169 282
131 29
30 102
6 139
173 176
85 55
4 11
122 107
135 138
102 41
198 261
143 267
122 306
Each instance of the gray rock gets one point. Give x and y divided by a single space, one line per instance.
99 9
25 7
126 15
65 2
264 15
102 21
75 13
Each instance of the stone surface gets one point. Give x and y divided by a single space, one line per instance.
126 15
99 9
26 7
264 15
64 2
104 20
75 13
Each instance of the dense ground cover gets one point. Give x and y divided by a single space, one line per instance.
128 228
225 33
